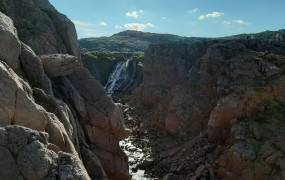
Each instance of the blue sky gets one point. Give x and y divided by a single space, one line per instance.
203 18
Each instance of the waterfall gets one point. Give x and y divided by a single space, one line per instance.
118 75
126 77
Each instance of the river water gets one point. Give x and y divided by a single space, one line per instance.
137 156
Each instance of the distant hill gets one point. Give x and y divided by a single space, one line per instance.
129 41
266 35
137 41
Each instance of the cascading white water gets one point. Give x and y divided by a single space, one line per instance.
125 77
136 157
119 74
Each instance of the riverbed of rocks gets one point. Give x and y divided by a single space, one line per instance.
153 155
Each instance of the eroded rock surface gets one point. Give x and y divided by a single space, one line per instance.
184 83
59 64
10 44
33 68
205 90
25 154
48 32
44 87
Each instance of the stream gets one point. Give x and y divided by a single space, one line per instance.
136 157
137 148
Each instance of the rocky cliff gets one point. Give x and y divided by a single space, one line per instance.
226 97
56 121
196 76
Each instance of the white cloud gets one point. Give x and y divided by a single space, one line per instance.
138 26
193 11
227 22
134 14
164 18
211 15
118 27
236 22
241 22
103 23
85 28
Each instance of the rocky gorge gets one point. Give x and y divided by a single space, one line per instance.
202 106
213 101
178 108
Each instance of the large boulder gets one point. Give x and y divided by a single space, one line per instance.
18 107
59 64
62 111
25 154
32 67
104 124
17 104
9 42
104 114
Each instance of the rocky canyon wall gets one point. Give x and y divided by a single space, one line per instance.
184 83
230 89
57 122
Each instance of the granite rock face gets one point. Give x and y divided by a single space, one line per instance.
45 87
42 27
215 81
230 89
32 67
26 154
9 42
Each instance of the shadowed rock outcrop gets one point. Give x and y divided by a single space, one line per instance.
41 26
